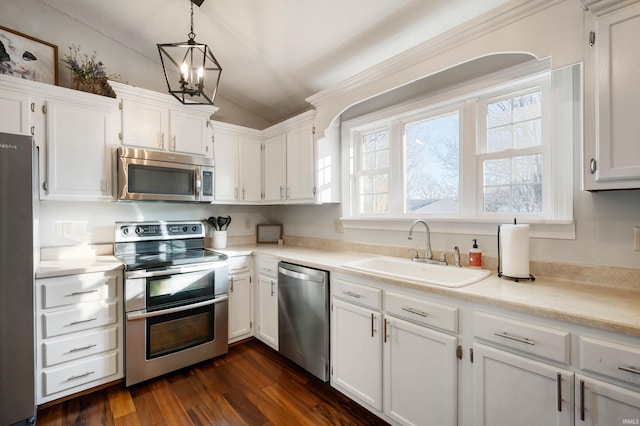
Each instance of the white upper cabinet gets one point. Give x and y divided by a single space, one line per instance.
157 121
80 137
289 161
238 164
15 110
611 151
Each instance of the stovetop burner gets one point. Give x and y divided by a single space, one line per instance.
157 245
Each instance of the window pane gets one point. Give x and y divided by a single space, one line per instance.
528 133
513 185
499 113
499 139
527 106
432 165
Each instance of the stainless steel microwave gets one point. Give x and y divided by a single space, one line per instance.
145 174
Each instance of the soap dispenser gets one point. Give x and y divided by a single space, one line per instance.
475 255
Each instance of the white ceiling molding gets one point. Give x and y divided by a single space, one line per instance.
602 7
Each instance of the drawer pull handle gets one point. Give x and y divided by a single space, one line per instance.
78 293
582 400
349 293
81 349
372 329
82 321
415 311
629 369
516 338
559 382
79 376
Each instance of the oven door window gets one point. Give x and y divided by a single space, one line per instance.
179 289
175 332
146 179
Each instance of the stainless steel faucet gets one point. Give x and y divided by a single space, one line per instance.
427 254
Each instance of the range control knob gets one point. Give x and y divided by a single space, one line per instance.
185 228
194 229
125 230
139 230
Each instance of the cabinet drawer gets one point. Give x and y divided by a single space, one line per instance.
78 346
610 359
71 289
78 373
524 336
268 266
356 293
239 264
81 317
422 311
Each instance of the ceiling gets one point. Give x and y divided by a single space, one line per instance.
276 53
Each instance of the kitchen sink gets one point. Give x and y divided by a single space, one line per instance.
406 269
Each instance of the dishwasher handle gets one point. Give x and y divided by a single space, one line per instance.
319 277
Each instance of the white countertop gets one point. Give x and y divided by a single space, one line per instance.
607 308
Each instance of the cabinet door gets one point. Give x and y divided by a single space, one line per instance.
275 171
300 165
513 390
78 156
15 110
617 151
225 154
239 306
356 352
250 167
420 374
600 403
268 311
189 133
145 124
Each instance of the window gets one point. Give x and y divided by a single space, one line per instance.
485 155
373 172
432 166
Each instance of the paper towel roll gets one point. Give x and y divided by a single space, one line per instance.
514 250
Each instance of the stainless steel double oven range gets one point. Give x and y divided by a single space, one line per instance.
176 297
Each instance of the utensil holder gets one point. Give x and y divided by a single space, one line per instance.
219 239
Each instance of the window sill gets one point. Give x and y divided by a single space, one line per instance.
560 230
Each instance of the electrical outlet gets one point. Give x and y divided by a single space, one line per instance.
247 223
338 227
636 238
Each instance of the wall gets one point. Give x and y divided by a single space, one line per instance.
29 16
94 222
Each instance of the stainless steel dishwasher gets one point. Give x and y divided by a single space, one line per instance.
303 317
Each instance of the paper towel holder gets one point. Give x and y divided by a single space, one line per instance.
500 274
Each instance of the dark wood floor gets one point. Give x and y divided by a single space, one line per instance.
251 385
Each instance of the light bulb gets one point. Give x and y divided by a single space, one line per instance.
184 69
200 74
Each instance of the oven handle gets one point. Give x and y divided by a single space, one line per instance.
138 315
173 270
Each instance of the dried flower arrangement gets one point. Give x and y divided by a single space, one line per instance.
89 74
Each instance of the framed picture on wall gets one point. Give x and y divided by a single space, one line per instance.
27 57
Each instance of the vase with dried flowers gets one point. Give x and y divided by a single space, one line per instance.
89 74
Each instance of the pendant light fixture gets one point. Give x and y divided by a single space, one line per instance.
191 70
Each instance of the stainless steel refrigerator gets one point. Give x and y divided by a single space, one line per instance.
17 249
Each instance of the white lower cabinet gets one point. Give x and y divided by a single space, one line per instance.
601 403
420 374
267 301
513 390
240 298
78 333
397 367
356 352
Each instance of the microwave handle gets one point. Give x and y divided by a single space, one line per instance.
198 183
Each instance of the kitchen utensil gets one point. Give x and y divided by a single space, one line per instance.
212 221
228 223
221 222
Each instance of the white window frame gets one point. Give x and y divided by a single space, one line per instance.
562 127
